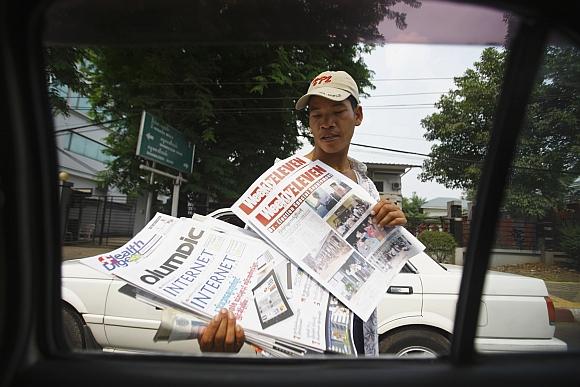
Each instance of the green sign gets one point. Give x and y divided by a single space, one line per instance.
163 144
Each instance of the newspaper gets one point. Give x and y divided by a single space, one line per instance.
199 266
321 220
141 245
177 326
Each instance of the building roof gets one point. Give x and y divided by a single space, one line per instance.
381 165
441 203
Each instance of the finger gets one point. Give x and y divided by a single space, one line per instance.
240 337
230 338
207 338
220 334
385 202
393 218
377 207
385 209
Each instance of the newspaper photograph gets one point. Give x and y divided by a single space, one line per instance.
321 220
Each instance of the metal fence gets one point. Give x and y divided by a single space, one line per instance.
99 220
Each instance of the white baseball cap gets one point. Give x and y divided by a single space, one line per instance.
334 85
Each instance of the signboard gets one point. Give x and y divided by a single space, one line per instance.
163 144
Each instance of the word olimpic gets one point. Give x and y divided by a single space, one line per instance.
182 252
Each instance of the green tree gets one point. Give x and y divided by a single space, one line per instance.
234 101
439 245
412 207
547 157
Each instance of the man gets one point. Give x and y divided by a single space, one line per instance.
334 112
338 191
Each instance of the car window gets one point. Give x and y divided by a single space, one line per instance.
429 94
537 229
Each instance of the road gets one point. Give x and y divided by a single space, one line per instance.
569 332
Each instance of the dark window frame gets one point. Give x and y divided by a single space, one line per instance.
31 289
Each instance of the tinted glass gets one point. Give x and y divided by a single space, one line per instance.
429 74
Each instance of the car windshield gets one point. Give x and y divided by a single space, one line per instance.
183 117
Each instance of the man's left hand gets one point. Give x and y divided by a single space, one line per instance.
387 213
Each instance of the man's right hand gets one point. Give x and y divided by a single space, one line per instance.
222 334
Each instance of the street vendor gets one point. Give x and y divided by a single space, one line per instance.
334 110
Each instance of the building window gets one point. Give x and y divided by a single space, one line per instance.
88 148
380 185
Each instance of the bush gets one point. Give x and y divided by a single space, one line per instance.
439 245
570 242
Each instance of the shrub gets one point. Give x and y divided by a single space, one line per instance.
439 245
570 242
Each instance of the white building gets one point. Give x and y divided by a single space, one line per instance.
387 179
80 145
439 206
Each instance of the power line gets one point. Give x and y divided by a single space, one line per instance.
387 136
260 98
289 108
355 144
241 83
461 160
407 94
88 125
87 137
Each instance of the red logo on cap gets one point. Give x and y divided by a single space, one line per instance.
319 80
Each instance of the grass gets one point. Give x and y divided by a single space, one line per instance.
553 273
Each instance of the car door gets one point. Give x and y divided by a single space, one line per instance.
402 303
131 324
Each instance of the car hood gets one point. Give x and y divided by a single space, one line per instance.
75 269
496 283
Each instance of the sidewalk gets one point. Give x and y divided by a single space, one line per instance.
92 248
73 252
566 295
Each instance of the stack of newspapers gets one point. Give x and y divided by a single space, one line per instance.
309 259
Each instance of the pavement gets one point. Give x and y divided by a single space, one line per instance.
566 295
73 252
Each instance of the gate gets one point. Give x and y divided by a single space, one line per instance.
98 220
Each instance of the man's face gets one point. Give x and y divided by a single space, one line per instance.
332 123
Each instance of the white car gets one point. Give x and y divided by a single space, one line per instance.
415 316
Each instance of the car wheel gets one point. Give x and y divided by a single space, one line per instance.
73 328
415 342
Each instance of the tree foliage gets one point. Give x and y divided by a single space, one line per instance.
234 101
63 69
412 207
547 156
570 242
439 245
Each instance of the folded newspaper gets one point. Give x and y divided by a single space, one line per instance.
321 221
198 266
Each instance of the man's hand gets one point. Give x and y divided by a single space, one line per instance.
222 334
387 213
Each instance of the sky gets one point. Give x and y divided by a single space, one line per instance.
411 72
404 74
409 79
